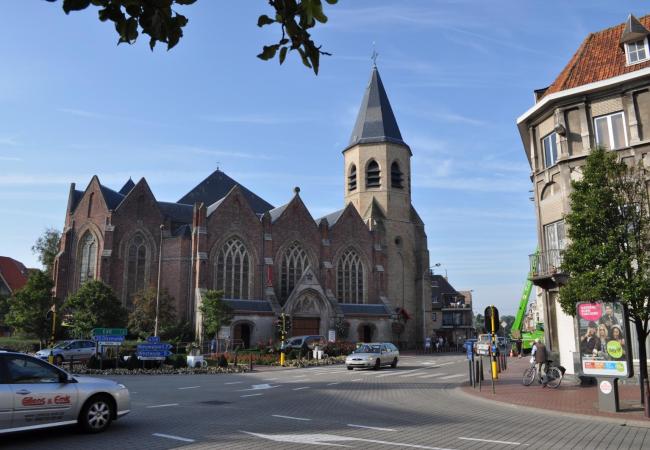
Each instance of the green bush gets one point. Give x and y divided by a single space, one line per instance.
177 361
20 344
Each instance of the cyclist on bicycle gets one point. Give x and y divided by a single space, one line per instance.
541 358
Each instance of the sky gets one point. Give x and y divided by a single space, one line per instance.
457 72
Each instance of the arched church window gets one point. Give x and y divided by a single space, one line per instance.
396 176
294 263
88 267
136 266
349 278
373 175
352 178
232 269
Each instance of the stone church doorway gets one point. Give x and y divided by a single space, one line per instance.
366 333
303 326
242 333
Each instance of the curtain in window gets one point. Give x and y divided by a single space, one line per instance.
349 278
232 270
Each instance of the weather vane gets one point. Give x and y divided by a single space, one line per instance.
374 55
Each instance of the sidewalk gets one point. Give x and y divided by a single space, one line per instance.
568 398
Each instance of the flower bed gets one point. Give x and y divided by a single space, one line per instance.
164 370
313 362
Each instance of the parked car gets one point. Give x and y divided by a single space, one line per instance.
35 394
373 355
298 342
63 351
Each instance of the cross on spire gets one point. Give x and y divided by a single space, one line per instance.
374 55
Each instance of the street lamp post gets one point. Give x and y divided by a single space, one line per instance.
155 328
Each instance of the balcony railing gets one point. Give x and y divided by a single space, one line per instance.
546 264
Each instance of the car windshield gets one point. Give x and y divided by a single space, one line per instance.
368 349
62 344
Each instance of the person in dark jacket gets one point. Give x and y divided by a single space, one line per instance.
541 359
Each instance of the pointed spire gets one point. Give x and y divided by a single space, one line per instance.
376 121
127 187
634 30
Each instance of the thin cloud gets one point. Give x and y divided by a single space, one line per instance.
224 153
83 113
10 158
254 119
9 141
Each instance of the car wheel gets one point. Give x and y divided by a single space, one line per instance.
394 363
58 360
377 364
96 415
350 368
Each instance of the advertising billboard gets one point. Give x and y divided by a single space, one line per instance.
603 339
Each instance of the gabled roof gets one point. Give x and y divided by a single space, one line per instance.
76 196
331 218
440 285
633 30
127 187
598 58
216 186
13 273
177 212
275 213
112 198
376 121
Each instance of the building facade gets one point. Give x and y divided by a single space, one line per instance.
600 99
362 270
451 310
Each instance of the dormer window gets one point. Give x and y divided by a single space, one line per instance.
637 51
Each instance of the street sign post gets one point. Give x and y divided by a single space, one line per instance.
153 350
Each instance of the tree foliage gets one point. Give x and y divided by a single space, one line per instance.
159 20
29 307
608 257
143 316
215 312
94 305
46 247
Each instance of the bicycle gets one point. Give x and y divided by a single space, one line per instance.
554 375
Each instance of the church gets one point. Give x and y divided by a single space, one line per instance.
361 271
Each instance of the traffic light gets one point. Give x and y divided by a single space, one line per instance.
287 325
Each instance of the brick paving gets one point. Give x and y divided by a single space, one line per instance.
570 397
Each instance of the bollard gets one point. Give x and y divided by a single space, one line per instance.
50 358
251 361
471 370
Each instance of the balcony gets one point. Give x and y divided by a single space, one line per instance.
546 269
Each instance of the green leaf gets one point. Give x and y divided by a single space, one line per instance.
268 52
185 2
75 5
264 20
283 54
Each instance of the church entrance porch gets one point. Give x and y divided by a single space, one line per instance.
366 333
303 326
242 334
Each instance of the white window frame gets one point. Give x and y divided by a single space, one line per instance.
551 136
628 52
610 130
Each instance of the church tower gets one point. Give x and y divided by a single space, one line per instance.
378 184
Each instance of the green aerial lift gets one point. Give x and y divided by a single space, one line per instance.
516 332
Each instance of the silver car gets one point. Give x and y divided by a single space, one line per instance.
373 355
35 394
78 350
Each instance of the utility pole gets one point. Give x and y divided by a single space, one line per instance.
160 250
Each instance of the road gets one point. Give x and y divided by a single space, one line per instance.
414 406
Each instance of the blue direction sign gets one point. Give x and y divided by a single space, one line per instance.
111 338
469 349
153 355
154 347
153 339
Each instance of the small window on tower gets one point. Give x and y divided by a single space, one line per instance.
373 175
352 178
396 176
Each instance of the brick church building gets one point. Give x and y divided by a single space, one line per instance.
364 268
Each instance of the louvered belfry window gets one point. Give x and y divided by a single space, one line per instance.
352 178
373 175
396 176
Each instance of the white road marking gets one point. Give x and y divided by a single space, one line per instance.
358 379
235 382
333 384
300 388
259 387
370 428
300 376
327 439
188 387
453 376
432 375
270 379
250 395
290 417
169 436
414 374
396 372
444 364
163 406
490 440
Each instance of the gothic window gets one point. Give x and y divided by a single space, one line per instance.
396 176
90 204
293 265
373 175
349 278
88 267
137 262
352 178
232 270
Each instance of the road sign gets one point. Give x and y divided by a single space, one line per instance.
153 339
154 347
109 331
153 355
109 338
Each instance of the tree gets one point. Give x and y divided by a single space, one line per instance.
46 247
608 257
143 316
215 313
162 23
479 323
4 308
94 305
29 310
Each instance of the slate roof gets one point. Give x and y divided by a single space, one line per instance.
113 199
275 213
13 273
177 212
249 305
76 196
376 121
599 57
216 186
365 309
127 187
331 218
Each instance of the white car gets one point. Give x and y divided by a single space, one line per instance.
35 394
373 355
78 350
